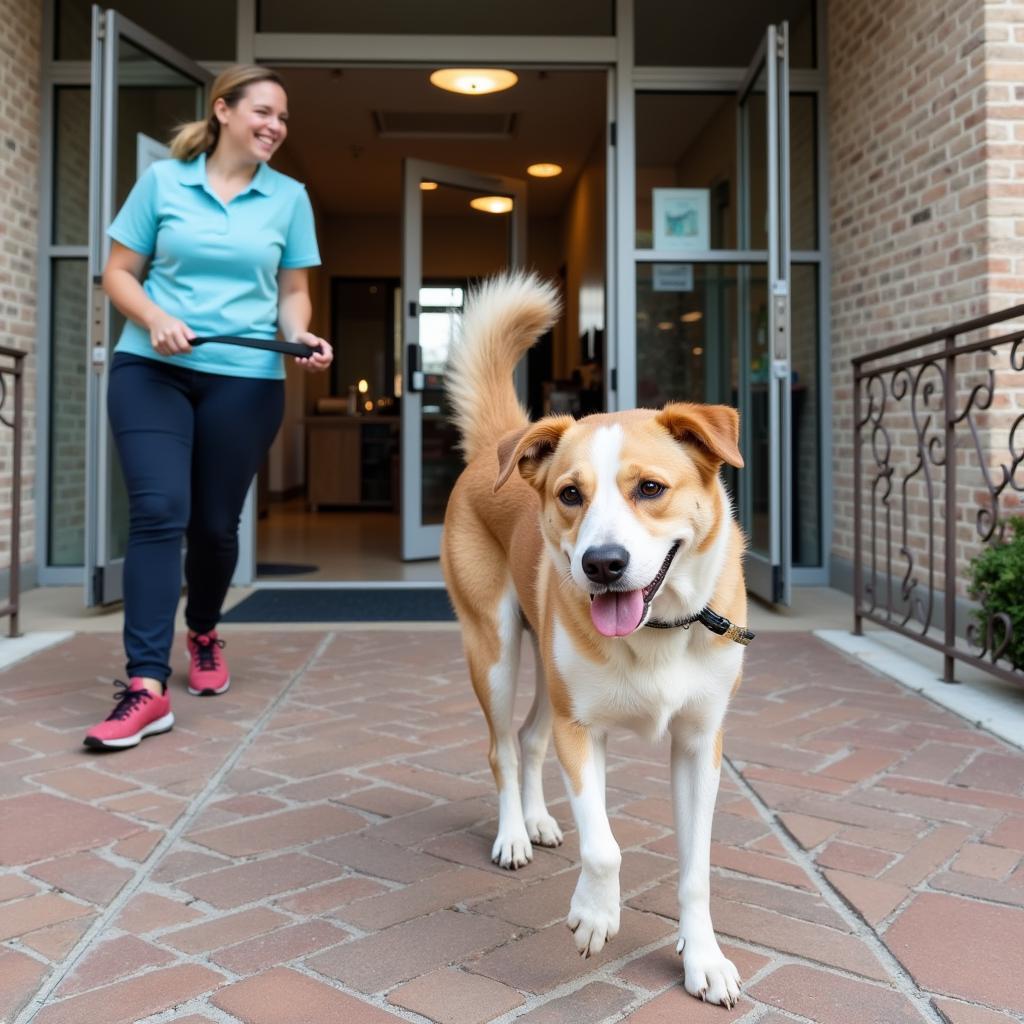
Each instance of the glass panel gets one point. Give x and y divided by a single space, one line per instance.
442 17
803 171
68 319
70 161
719 35
200 29
686 142
460 244
806 417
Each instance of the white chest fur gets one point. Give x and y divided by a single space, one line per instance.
650 680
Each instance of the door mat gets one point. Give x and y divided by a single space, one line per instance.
363 605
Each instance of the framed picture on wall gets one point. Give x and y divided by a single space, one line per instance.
682 218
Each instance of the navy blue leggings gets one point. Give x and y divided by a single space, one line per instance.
190 444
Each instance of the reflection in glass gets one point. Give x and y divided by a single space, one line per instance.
68 317
70 160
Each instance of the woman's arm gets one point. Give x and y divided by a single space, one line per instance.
122 277
294 311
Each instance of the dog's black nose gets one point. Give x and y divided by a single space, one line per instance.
606 563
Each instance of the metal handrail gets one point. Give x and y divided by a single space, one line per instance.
920 395
14 369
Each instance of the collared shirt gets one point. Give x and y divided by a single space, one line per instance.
213 264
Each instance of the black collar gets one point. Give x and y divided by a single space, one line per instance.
718 624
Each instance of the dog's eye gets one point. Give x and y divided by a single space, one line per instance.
650 489
570 496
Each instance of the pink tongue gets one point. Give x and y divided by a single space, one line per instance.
617 614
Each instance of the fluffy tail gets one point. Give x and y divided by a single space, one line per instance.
502 319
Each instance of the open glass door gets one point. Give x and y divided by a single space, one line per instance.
446 244
764 370
141 90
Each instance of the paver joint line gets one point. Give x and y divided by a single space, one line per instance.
902 980
65 968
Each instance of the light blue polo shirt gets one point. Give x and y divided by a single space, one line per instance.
214 265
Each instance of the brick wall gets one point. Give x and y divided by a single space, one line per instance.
927 193
20 28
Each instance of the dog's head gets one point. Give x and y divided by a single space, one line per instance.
626 498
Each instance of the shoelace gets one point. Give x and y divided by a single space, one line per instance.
127 700
206 651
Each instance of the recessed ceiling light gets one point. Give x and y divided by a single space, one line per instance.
692 318
473 81
665 325
428 186
698 351
492 204
544 170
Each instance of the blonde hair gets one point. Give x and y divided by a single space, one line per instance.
230 85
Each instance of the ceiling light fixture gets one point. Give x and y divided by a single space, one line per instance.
428 186
692 318
492 204
544 170
473 81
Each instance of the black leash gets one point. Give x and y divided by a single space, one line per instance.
289 348
718 624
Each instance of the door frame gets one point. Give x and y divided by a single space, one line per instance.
419 540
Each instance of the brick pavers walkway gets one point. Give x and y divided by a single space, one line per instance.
313 847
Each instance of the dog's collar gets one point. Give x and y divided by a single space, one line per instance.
718 624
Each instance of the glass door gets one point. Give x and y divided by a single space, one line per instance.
457 227
141 89
764 341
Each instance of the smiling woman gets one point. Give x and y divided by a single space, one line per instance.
209 244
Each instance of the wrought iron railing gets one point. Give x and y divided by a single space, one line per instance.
938 454
11 380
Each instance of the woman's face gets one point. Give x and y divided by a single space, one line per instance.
258 123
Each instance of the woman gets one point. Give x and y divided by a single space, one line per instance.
212 242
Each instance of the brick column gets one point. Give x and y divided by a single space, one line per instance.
20 30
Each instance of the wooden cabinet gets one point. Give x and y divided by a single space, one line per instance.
349 461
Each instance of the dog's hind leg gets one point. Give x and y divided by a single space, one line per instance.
533 738
492 649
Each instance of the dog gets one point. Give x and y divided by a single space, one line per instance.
587 533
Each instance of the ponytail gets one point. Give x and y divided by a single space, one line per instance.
196 137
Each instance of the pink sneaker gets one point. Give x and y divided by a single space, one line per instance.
139 713
208 673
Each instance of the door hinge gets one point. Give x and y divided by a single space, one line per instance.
612 134
414 309
613 379
97 585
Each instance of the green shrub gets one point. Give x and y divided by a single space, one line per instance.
997 581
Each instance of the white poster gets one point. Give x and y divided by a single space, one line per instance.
672 277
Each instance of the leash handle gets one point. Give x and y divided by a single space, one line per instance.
289 348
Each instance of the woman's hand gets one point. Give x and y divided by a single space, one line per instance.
170 337
318 361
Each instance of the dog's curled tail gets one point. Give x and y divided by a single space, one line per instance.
503 317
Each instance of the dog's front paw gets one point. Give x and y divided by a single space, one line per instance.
707 973
543 829
512 851
593 916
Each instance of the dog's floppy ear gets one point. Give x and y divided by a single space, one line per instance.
715 428
529 447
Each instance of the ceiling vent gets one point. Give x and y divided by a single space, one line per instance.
404 124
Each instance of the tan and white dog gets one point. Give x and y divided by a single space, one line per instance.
586 532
